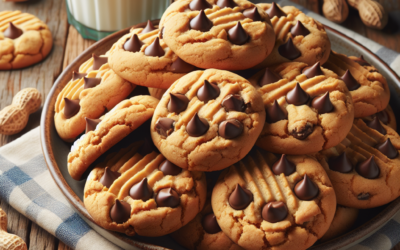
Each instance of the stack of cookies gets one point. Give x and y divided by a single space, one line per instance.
303 135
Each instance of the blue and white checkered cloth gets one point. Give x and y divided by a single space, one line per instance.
26 184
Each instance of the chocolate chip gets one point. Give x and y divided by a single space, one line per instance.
165 126
275 11
167 197
199 5
376 124
180 66
168 168
91 82
288 50
361 61
12 31
133 44
349 80
283 165
77 75
71 107
383 116
91 124
177 103
306 189
109 177
252 14
201 22
230 129
299 30
233 103
368 168
154 49
240 198
275 113
237 35
388 149
197 126
340 164
141 191
313 71
297 96
303 133
120 212
161 35
363 196
147 147
322 103
98 61
210 224
226 4
274 211
208 91
149 27
269 77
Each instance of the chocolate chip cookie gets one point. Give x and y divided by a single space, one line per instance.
307 108
266 202
208 120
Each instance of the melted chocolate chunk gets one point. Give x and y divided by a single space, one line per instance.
275 113
12 31
230 129
313 71
197 126
240 198
376 124
297 96
233 103
165 126
306 189
340 164
303 133
91 124
274 211
361 61
120 212
77 75
71 107
91 82
161 35
177 103
383 116
283 165
149 27
141 191
388 149
322 103
168 168
275 11
349 80
167 197
98 61
133 44
199 5
288 50
109 177
226 4
368 168
252 14
363 196
269 77
201 22
210 224
208 91
299 30
237 35
154 49
180 66
147 147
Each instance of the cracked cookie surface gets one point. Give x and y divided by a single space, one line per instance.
208 120
277 215
306 127
146 214
25 42
115 125
309 43
364 167
212 38
97 89
342 221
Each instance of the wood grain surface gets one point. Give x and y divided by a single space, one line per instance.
68 44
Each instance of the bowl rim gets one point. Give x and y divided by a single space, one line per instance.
47 119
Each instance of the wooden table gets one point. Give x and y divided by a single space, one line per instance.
67 45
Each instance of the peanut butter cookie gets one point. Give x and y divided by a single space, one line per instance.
342 221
